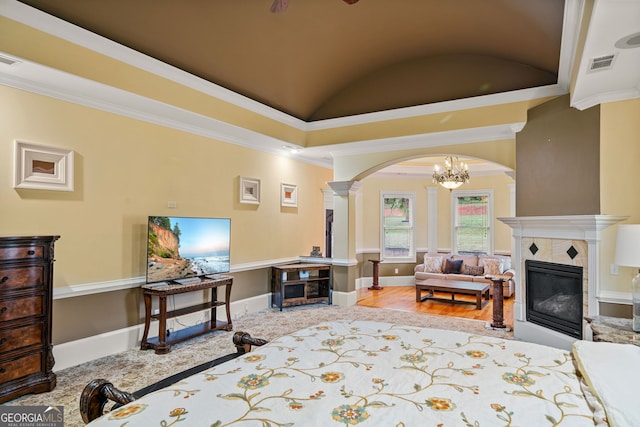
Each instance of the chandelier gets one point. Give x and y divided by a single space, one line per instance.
455 173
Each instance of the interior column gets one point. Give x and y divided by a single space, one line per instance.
344 242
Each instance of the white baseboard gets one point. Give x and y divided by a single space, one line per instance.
365 282
86 349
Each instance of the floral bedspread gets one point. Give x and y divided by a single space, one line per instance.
373 374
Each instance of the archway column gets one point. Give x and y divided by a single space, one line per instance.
432 219
344 241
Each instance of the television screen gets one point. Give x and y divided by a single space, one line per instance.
182 247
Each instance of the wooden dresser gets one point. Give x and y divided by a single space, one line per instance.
26 275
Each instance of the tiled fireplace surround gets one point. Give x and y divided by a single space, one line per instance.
554 236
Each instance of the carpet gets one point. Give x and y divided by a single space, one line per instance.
135 369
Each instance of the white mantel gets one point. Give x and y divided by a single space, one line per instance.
560 232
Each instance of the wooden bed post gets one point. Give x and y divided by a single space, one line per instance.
99 392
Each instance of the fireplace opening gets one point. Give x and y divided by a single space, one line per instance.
554 296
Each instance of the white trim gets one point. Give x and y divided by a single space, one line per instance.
385 281
344 262
432 218
344 299
615 297
135 282
84 350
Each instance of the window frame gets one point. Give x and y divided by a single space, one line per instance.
455 195
411 257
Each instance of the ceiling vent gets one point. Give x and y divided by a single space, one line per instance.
8 61
601 63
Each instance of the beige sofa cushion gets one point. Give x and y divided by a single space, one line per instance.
492 266
433 264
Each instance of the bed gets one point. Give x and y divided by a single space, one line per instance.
380 374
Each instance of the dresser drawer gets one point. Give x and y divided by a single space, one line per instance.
13 253
21 277
11 309
21 367
23 336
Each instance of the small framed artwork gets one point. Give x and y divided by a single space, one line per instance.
288 195
42 167
249 190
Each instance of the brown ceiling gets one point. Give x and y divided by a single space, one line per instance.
324 58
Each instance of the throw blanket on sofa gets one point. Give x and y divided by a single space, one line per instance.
374 374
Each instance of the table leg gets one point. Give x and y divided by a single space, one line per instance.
227 301
162 346
479 300
144 344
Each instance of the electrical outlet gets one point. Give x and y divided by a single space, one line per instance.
613 269
396 271
156 311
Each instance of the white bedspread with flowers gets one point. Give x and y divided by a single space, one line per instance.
354 373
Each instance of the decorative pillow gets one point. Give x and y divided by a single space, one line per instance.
473 270
492 266
452 266
433 264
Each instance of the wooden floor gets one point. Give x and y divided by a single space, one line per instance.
404 298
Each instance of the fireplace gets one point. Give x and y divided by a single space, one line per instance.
554 296
572 240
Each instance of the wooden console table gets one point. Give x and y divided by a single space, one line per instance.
162 343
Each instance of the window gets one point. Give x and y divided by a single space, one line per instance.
472 216
397 227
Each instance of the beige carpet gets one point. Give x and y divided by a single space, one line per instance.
135 369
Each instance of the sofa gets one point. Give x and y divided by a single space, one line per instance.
470 268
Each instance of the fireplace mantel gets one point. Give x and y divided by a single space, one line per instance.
582 231
583 227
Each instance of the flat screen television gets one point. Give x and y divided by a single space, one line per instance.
183 247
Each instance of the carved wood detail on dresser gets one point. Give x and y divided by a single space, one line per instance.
26 282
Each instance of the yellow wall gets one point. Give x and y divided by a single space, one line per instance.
619 178
127 169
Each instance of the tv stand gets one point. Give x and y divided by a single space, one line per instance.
162 343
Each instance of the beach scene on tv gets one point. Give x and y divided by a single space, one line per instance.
181 247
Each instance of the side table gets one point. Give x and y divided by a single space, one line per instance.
376 275
613 329
162 343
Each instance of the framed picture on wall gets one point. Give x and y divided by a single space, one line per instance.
288 195
249 190
42 167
